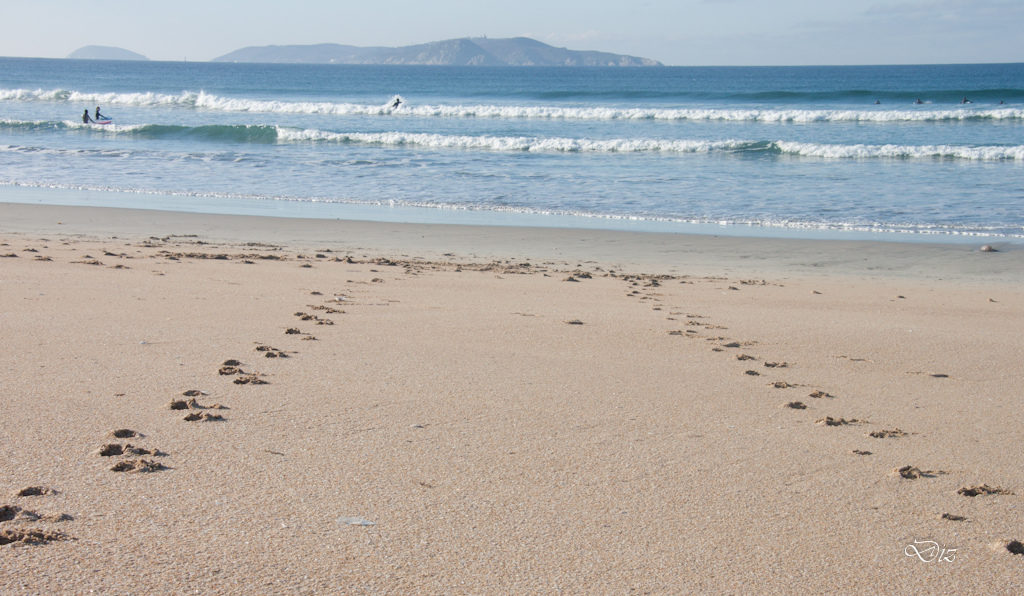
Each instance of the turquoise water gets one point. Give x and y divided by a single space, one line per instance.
822 151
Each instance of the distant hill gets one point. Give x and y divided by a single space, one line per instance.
478 51
104 53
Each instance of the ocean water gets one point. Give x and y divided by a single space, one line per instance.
842 152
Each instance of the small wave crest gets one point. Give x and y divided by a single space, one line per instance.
518 144
569 145
238 133
983 153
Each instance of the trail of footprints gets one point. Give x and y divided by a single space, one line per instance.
128 448
696 325
138 458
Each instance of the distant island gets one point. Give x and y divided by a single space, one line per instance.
477 51
104 53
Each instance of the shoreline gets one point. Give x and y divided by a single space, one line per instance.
417 214
639 252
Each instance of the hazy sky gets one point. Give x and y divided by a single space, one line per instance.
676 32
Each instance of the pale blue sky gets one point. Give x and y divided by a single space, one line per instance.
676 32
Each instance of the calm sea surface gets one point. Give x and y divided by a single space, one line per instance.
801 151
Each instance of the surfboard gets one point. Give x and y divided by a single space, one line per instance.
107 121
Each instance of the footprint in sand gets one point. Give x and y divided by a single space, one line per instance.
35 491
17 515
124 433
250 379
982 489
797 405
308 317
30 536
203 417
913 473
830 421
192 404
952 517
13 513
138 465
327 309
230 369
271 352
886 433
114 449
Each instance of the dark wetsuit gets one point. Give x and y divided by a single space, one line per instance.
85 117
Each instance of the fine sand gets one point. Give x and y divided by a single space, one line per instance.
219 404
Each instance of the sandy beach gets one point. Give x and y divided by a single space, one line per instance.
244 405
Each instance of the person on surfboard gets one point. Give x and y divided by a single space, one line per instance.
100 116
85 117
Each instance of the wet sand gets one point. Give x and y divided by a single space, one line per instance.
345 407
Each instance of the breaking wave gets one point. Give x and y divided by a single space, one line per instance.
201 100
266 134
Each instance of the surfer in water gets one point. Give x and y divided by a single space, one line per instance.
100 116
965 100
397 101
85 117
